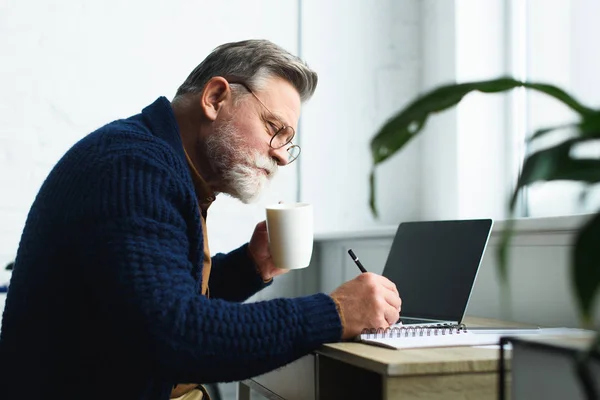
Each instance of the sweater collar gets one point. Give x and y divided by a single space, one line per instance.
161 120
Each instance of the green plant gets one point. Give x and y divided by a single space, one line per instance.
549 164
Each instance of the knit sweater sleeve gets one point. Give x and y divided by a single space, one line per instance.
134 248
234 276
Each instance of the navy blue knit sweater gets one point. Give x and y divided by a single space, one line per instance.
104 300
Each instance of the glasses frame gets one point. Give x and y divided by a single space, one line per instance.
291 157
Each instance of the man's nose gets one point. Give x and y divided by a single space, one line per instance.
280 156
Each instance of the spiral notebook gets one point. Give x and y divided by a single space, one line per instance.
421 336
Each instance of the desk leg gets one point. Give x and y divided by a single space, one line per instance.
243 391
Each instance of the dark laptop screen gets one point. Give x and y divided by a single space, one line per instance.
434 265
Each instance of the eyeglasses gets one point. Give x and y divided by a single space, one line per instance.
283 136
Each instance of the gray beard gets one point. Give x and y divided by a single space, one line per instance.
239 169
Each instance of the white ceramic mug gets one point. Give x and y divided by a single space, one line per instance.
290 229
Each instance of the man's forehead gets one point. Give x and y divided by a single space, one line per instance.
283 100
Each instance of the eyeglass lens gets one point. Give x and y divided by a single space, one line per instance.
283 137
293 153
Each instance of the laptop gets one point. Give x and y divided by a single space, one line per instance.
434 265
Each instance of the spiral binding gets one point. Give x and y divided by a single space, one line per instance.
413 331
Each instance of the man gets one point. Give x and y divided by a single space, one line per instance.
114 293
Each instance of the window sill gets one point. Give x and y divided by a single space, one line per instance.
567 223
563 224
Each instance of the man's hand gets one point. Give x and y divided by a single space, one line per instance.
261 255
367 301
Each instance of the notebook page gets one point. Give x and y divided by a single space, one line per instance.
449 340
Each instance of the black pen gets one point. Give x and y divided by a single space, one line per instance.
357 261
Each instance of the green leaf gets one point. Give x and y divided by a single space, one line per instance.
372 193
404 125
503 249
398 131
562 96
541 132
586 266
589 127
556 163
408 122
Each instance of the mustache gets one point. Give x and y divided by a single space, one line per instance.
263 162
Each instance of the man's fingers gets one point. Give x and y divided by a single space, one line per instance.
391 315
392 299
385 282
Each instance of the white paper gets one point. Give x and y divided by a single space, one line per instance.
408 340
447 340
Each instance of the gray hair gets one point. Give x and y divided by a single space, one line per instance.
252 62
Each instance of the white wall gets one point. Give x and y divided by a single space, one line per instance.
555 54
484 176
439 152
368 57
464 149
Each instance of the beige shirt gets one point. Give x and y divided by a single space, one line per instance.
205 198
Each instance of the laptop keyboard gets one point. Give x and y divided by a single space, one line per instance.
414 321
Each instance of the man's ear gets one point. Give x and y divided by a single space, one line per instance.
215 92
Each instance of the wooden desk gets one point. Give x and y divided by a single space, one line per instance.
360 371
